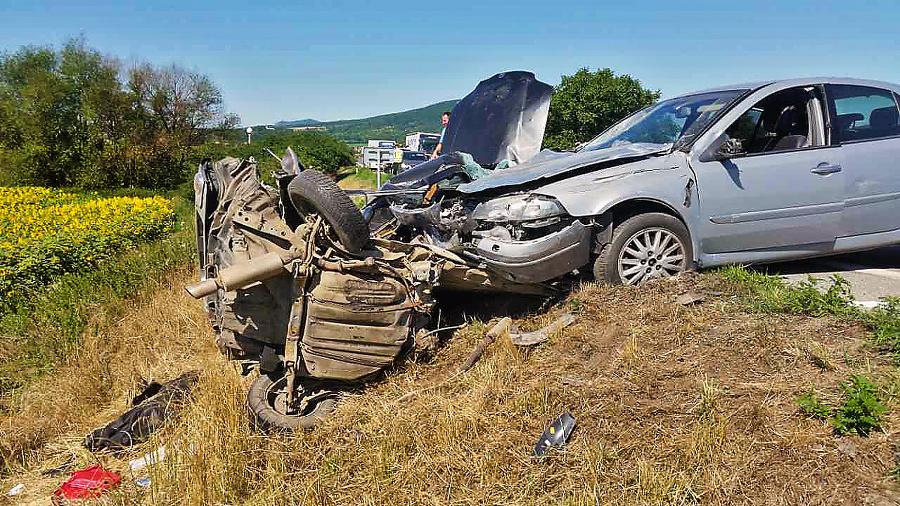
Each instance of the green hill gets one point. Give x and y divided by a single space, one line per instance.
386 126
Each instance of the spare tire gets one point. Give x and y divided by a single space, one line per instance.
313 191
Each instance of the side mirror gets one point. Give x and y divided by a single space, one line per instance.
724 148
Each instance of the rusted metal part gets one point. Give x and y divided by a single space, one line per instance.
292 339
541 335
496 331
430 194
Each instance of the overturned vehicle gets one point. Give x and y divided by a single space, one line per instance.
322 295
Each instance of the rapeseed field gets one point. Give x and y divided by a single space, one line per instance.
46 232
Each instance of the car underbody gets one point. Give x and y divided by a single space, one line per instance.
319 303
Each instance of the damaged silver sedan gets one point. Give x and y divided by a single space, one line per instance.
322 294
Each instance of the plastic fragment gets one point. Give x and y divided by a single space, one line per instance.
556 435
142 482
151 458
689 298
18 489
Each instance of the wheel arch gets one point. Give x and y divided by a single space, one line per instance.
616 213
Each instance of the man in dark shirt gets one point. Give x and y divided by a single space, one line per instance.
445 118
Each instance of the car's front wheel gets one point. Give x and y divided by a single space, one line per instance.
645 246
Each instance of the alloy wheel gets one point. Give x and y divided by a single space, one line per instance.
650 253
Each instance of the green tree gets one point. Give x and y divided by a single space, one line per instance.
180 102
315 150
66 119
587 103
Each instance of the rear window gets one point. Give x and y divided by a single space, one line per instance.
861 113
418 157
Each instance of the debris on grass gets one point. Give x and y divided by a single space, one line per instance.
502 327
539 336
556 435
635 365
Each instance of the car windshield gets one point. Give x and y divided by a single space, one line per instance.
671 122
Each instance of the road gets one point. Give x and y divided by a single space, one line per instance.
872 274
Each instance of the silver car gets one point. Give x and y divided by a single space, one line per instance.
746 173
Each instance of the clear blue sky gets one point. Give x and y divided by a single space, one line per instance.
344 59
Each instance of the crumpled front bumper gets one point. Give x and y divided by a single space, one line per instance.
537 260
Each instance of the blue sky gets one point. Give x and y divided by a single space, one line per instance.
346 59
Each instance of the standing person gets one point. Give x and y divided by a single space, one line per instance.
445 118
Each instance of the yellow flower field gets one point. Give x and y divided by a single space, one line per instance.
46 232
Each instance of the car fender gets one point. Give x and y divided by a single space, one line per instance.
658 181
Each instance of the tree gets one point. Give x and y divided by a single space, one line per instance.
587 103
57 111
180 102
67 119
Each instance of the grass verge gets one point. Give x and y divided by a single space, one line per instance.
675 405
770 294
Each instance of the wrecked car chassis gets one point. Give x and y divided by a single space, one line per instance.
291 282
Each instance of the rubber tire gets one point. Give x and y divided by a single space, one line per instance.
313 191
606 267
268 419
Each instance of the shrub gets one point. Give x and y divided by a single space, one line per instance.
861 412
812 406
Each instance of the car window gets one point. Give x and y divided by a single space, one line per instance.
414 156
782 121
861 113
676 121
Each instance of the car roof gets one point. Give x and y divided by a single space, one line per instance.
798 82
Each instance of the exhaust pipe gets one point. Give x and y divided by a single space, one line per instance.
239 276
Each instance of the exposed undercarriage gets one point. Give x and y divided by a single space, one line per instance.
293 280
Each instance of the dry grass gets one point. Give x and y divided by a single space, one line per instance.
675 405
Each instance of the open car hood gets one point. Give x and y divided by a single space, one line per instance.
503 118
551 164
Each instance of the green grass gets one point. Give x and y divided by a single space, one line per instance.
860 413
811 405
769 294
39 335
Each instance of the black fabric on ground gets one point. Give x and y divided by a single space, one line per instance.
152 408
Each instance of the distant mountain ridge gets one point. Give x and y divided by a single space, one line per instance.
385 126
297 123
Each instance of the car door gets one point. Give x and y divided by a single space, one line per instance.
779 186
865 123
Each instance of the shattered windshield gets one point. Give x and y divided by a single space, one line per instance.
671 122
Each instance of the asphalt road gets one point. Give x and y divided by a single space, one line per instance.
872 274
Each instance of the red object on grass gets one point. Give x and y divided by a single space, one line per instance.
88 483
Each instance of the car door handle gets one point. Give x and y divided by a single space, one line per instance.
824 169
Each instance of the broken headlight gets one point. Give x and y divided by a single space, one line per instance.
518 208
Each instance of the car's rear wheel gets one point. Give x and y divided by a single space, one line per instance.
645 246
314 192
267 400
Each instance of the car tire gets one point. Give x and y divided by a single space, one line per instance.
625 260
261 402
313 191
